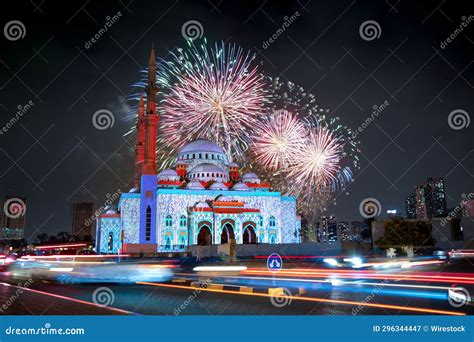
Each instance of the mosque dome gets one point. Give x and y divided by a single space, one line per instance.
201 151
250 177
233 164
208 172
218 186
168 174
202 145
194 185
240 187
202 205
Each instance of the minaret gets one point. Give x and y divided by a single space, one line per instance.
140 144
151 118
148 188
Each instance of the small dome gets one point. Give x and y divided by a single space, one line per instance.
134 190
111 209
202 205
194 185
251 177
218 186
168 174
240 187
208 172
233 164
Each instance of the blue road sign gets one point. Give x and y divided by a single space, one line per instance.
274 262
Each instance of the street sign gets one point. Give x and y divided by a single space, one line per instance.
274 262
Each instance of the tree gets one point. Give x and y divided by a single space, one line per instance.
64 237
42 238
401 233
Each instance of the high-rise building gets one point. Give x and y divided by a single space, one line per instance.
410 206
327 229
12 218
81 213
344 231
430 199
421 207
436 197
468 208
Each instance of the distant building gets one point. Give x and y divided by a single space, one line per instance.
436 197
410 206
356 228
344 231
429 198
12 218
326 229
81 213
468 208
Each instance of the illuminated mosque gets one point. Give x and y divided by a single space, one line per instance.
204 200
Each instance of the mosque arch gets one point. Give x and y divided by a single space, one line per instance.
248 233
204 234
227 232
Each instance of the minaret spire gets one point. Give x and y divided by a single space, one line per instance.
151 118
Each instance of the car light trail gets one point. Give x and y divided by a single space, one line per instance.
74 256
298 280
314 299
323 273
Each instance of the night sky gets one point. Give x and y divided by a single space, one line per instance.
53 154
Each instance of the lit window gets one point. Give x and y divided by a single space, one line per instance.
183 221
148 224
272 221
168 221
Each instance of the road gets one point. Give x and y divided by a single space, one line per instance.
298 289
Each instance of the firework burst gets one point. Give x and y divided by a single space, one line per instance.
215 93
317 162
277 139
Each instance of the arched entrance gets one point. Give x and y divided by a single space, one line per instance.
249 236
204 236
227 233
